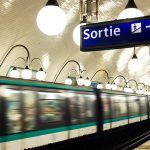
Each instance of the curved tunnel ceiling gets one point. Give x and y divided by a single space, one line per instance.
18 26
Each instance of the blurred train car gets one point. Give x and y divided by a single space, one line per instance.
38 113
34 114
121 108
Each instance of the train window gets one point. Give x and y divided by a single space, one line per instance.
86 107
52 108
119 106
106 109
73 108
13 112
29 108
90 106
143 105
82 107
133 104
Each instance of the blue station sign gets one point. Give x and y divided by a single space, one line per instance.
115 34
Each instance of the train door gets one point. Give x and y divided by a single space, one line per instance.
143 107
82 114
134 109
87 113
12 120
1 116
29 111
148 107
52 118
73 120
119 114
106 111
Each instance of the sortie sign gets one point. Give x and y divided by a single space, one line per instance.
115 34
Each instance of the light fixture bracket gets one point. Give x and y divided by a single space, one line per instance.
134 57
52 2
26 67
131 4
84 20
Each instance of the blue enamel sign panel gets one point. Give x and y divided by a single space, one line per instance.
115 34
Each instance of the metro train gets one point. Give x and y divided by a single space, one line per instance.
36 113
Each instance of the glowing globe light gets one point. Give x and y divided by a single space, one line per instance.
114 86
108 86
87 82
80 81
26 73
130 13
51 20
14 73
126 89
134 65
68 81
76 33
99 86
40 75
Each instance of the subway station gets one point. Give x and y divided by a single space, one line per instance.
74 74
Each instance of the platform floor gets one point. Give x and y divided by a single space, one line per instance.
145 146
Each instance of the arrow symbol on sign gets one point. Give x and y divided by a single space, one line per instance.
148 26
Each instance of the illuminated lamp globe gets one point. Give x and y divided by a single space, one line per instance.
108 86
87 82
80 81
76 33
126 89
134 64
51 20
114 86
26 73
68 81
99 86
130 13
138 91
14 73
130 90
40 75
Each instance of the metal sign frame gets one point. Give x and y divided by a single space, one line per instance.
111 46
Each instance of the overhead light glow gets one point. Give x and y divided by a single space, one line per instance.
68 81
51 20
80 81
40 75
26 73
14 73
87 82
130 13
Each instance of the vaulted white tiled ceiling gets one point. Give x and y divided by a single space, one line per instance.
18 26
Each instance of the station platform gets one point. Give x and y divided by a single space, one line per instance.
145 146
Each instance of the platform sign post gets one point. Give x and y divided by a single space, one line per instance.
115 34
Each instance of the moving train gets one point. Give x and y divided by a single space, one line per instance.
36 113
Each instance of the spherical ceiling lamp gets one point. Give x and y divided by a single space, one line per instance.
126 89
114 86
87 82
108 86
26 73
80 81
134 64
40 75
130 11
99 86
14 73
68 81
76 31
51 19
